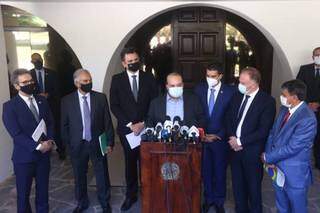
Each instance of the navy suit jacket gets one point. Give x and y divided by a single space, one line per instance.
256 125
71 122
20 123
215 124
290 147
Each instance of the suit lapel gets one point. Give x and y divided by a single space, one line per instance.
40 107
26 108
93 105
77 109
127 85
253 103
218 100
141 84
163 107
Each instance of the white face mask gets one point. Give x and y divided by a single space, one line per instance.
212 82
316 60
242 88
284 101
175 92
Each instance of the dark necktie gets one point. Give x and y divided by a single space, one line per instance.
135 87
242 107
33 109
87 119
40 82
285 119
211 101
317 73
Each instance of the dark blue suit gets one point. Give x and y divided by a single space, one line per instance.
246 165
214 162
289 148
28 162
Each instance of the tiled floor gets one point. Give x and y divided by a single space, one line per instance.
62 193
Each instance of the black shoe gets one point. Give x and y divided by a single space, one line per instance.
108 209
205 207
128 203
79 209
219 208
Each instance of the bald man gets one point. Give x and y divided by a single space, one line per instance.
47 86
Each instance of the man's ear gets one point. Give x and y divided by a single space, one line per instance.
123 64
16 86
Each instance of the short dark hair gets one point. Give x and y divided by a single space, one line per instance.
253 73
215 67
15 75
315 49
295 87
128 50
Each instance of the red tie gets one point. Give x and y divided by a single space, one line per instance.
285 119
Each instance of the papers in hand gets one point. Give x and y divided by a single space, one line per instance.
103 143
39 131
276 175
134 140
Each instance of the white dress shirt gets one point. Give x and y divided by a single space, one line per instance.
251 98
292 110
81 109
27 101
42 73
216 92
130 74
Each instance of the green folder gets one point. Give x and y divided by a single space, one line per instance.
103 143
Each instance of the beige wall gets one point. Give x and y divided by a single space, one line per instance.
5 140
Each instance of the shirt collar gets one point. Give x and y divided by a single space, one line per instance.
80 95
130 74
25 98
169 98
42 70
252 95
292 110
216 88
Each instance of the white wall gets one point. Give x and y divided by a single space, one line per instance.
96 31
5 140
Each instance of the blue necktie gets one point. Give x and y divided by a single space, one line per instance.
87 119
40 82
241 110
211 101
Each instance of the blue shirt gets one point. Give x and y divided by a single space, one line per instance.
174 107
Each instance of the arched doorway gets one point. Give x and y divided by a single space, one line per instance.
190 38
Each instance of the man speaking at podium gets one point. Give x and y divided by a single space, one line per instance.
176 103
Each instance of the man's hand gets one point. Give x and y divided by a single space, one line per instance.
109 149
314 106
137 127
46 146
263 158
44 94
233 144
211 138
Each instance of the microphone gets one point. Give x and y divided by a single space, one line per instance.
184 132
165 135
176 123
148 134
157 132
193 134
168 124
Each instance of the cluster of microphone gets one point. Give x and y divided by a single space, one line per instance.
172 131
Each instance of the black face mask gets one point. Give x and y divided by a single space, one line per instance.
38 65
86 87
28 89
134 67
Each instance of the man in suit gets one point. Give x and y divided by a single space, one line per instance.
176 103
215 98
130 95
47 86
250 117
84 117
21 116
289 147
310 75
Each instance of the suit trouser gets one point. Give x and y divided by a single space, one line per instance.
25 172
132 157
214 169
291 200
89 150
247 176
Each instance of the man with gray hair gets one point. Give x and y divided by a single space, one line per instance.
85 117
21 116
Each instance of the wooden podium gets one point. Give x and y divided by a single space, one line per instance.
170 178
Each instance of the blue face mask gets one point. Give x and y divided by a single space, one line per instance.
242 88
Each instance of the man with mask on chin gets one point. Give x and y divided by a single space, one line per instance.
249 120
130 95
31 159
215 98
47 85
176 103
289 147
310 75
84 117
